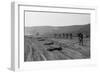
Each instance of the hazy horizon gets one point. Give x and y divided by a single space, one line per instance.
57 26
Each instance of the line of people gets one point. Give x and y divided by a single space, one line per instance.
64 35
70 36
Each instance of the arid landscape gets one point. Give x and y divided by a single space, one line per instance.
45 43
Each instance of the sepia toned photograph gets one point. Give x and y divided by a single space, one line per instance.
50 36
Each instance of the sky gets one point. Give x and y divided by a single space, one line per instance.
55 19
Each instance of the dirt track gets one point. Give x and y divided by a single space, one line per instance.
36 50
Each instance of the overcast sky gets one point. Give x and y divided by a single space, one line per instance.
55 19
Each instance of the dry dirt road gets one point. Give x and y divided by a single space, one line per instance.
44 49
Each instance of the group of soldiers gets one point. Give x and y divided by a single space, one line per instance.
63 35
70 36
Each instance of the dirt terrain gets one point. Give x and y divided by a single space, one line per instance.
44 49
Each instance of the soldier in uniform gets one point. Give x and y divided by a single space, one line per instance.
66 35
80 36
70 35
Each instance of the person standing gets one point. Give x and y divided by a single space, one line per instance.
70 35
66 35
80 37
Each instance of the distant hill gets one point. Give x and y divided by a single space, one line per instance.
38 29
46 30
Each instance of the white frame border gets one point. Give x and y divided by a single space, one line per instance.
16 60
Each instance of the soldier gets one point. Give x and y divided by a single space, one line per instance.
55 35
70 35
63 35
59 35
80 36
66 35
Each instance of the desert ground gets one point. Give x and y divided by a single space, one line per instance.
46 49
